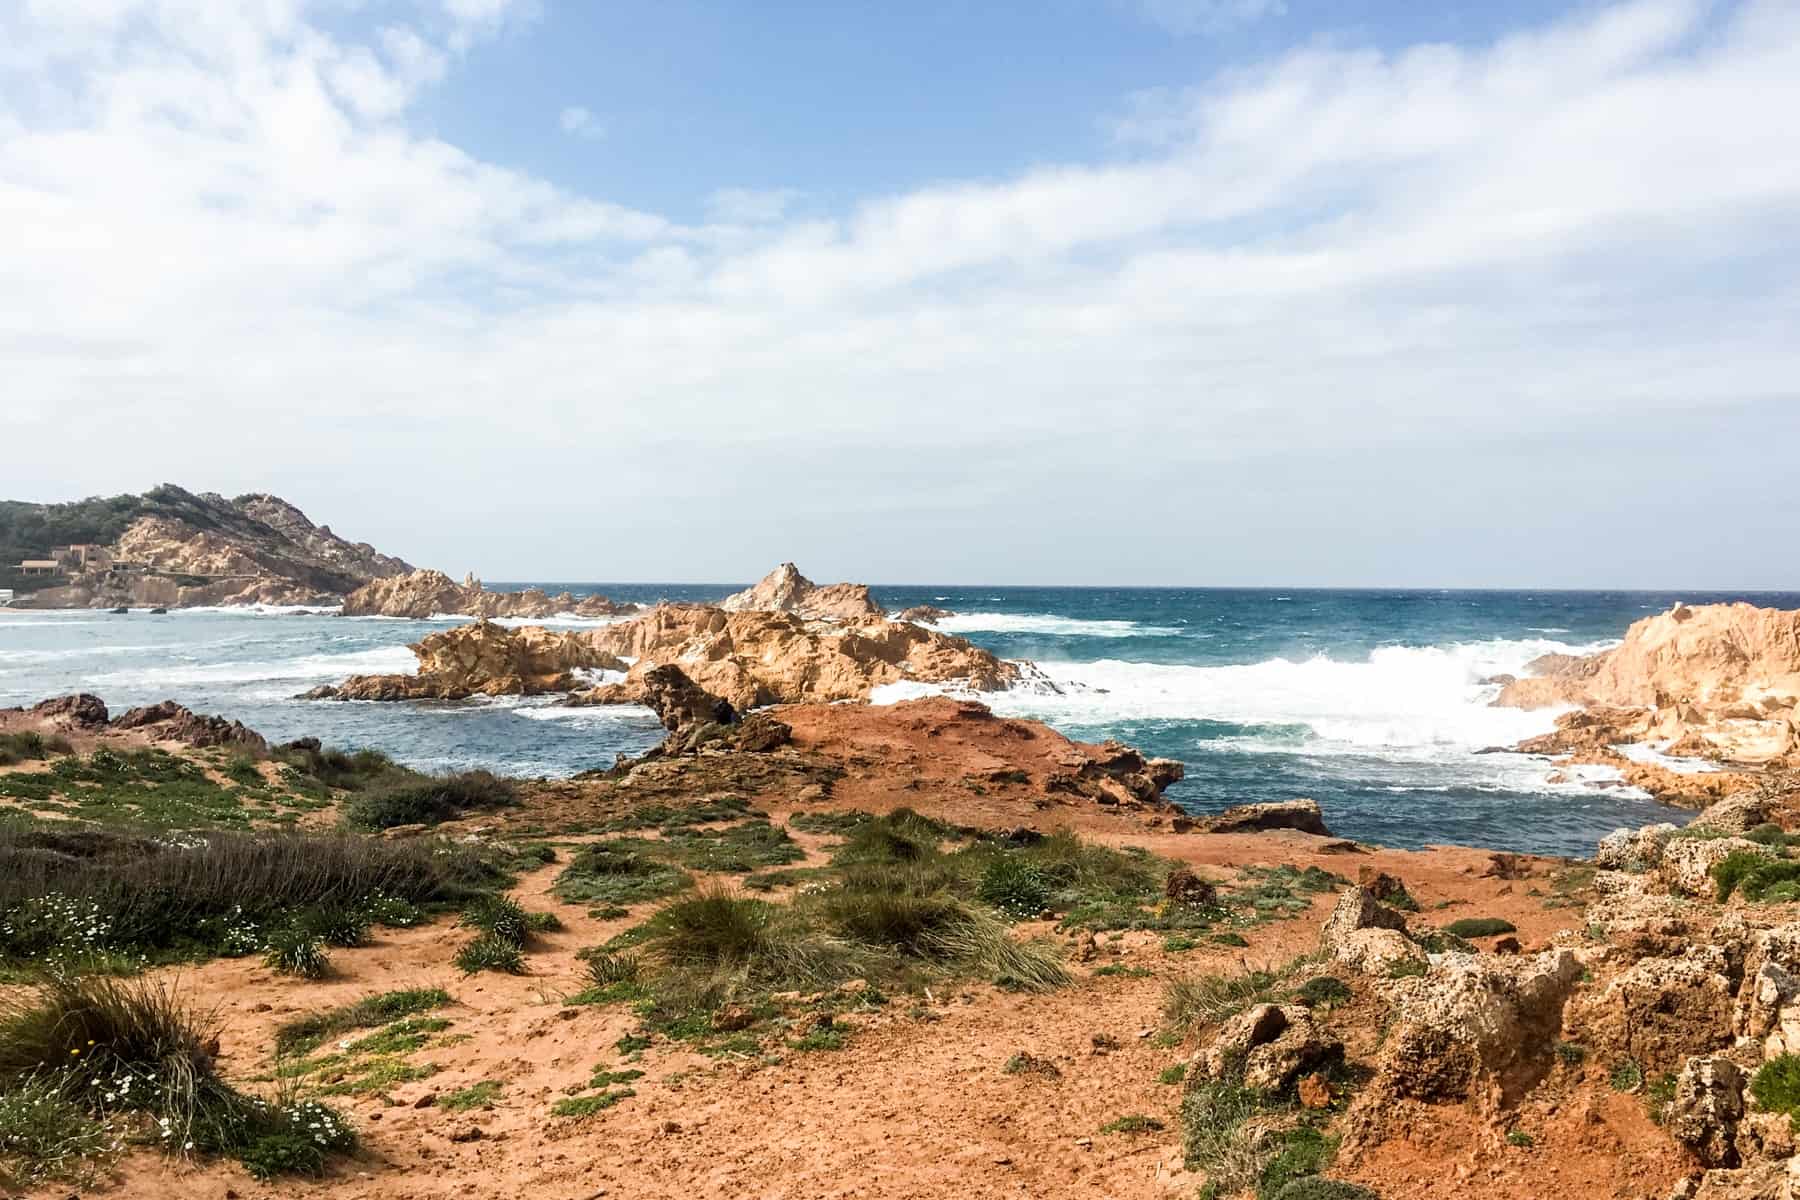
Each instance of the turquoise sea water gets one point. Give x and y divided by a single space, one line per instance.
1371 702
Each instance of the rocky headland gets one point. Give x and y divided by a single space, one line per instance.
173 548
786 590
1717 683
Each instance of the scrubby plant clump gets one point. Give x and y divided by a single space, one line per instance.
490 952
109 1048
427 800
296 950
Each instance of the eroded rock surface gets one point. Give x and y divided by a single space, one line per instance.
786 590
427 593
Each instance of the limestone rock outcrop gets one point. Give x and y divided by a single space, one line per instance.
786 590
1475 1022
1715 681
1271 1044
1302 815
1366 934
81 710
752 658
421 594
483 659
1661 1011
923 614
1706 1109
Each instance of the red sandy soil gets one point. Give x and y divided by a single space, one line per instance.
916 1104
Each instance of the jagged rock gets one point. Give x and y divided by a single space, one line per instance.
1719 681
169 721
1363 933
1475 1020
1634 849
678 701
923 614
1709 1102
1273 1044
1734 814
79 711
1768 999
1660 1011
422 594
1686 864
758 658
1303 815
1113 773
486 659
786 590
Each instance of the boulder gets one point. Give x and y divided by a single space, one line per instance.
78 711
1303 815
1363 933
1686 864
1272 1044
923 614
1704 1114
678 701
1661 1011
1634 849
1734 814
1384 887
1475 1021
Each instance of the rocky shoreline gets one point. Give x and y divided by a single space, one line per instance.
1717 684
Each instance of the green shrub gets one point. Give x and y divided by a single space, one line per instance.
1132 1123
116 1046
1757 876
1215 1139
1172 1074
1015 886
296 950
490 952
29 744
1408 968
902 836
1479 927
76 893
1321 990
426 800
336 925
1776 1085
1518 1137
1303 1152
1626 1076
1571 1054
500 916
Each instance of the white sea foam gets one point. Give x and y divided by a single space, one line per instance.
1424 704
265 610
382 660
1047 625
1655 754
592 714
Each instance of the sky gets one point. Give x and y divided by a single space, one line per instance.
1105 292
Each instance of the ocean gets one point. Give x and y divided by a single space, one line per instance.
1370 702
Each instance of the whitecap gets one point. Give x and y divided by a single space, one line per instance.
382 660
1048 625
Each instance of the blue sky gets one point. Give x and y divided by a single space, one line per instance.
1076 291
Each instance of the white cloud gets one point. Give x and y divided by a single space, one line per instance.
232 260
580 122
